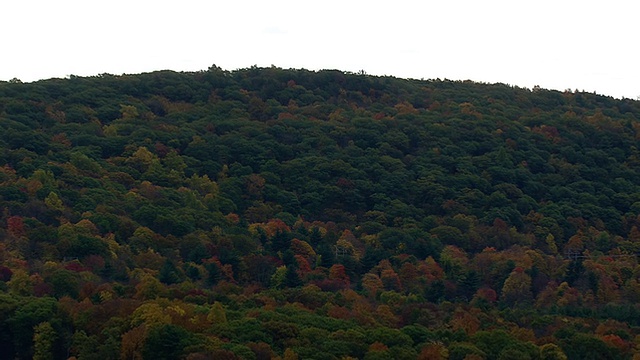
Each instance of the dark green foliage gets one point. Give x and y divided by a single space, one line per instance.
332 214
583 346
494 343
459 351
166 342
64 283
169 273
389 337
21 322
8 306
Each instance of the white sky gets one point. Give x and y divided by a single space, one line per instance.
557 44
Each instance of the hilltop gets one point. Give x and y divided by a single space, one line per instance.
267 212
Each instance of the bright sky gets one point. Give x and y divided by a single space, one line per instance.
556 44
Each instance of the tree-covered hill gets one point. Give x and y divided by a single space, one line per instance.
265 213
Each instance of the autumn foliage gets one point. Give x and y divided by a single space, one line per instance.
266 213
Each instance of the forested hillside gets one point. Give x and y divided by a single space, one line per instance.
265 213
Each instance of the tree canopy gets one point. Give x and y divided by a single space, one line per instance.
268 212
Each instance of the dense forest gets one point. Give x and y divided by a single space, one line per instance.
269 213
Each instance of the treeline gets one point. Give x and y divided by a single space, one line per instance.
266 213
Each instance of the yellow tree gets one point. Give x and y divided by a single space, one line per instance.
302 248
149 288
150 314
289 355
346 245
54 202
517 288
551 352
141 159
44 336
21 283
217 314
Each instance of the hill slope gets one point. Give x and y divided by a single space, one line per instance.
250 213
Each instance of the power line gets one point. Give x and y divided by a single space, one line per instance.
575 255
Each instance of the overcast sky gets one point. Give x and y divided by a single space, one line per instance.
556 44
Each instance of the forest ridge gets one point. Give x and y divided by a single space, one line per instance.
270 213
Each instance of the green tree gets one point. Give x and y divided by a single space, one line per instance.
44 338
32 311
166 342
551 352
588 347
517 288
64 283
460 351
54 202
217 314
169 273
492 343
